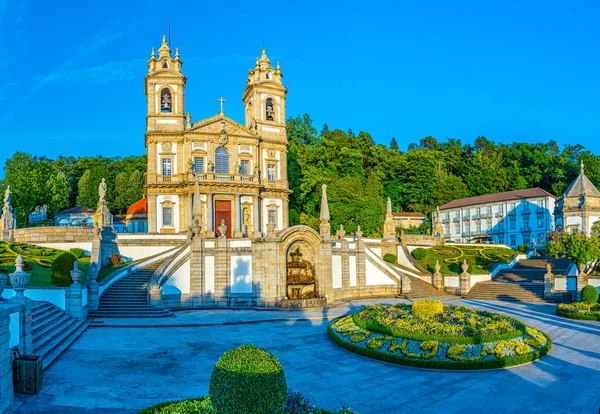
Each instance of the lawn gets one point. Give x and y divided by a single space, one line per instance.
38 262
479 258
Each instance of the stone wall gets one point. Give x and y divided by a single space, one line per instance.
59 234
420 240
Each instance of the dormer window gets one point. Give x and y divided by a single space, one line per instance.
165 65
269 109
165 100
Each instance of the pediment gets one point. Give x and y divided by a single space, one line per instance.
215 124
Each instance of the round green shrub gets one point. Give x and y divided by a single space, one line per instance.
60 271
78 253
248 380
390 258
589 294
523 248
419 253
427 308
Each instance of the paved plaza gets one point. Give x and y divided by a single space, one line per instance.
121 369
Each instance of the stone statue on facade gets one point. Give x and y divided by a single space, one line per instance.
389 228
102 189
8 222
102 218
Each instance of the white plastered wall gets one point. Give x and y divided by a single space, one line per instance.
179 282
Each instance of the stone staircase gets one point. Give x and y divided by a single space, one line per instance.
421 289
514 292
127 298
53 331
523 283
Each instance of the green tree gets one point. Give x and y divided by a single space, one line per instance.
60 191
121 200
393 144
85 196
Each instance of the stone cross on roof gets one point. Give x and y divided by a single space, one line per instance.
221 100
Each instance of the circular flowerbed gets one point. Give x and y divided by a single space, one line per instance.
457 337
579 310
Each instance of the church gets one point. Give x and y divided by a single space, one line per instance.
237 172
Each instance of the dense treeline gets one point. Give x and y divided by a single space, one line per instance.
359 175
70 181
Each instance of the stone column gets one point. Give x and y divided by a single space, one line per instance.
196 267
73 302
438 278
93 289
361 264
548 282
345 258
6 381
19 281
256 225
465 279
582 279
211 216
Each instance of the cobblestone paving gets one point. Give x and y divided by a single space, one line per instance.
123 369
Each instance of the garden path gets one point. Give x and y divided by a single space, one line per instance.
123 369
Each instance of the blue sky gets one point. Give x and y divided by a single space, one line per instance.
72 76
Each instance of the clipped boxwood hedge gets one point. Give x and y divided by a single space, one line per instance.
419 253
589 294
60 272
78 253
390 258
245 375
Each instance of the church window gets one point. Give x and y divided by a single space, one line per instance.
271 172
222 160
270 109
165 100
269 75
167 216
198 166
165 65
167 167
244 167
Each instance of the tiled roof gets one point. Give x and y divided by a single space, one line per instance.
497 197
76 210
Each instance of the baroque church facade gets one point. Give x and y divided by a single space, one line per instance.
237 172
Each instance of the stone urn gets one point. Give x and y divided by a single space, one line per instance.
464 266
20 279
76 273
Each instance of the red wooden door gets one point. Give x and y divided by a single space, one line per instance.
223 212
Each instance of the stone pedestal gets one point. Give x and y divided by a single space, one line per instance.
7 395
155 295
73 302
93 295
438 279
548 282
465 279
406 284
582 280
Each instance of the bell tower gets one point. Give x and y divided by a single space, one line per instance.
164 88
264 100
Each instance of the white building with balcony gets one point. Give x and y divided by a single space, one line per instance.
512 218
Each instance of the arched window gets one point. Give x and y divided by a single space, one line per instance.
269 75
270 109
222 160
165 64
165 100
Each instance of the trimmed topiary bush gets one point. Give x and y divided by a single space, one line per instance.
427 308
78 253
589 294
523 248
248 380
390 258
419 253
60 272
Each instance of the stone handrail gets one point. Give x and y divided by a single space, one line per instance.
157 275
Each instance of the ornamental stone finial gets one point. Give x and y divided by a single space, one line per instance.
19 279
437 266
581 167
464 266
359 233
76 273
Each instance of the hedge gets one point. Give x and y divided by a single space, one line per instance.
419 253
589 294
390 258
523 248
428 363
247 375
560 311
60 272
78 253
